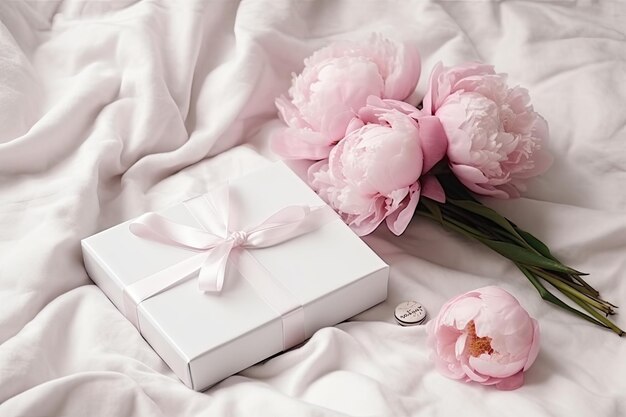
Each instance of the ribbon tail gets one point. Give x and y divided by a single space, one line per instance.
289 223
139 291
213 270
211 210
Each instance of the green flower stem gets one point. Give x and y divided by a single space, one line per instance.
601 305
567 280
499 233
549 297
608 323
587 307
589 288
571 292
451 212
475 221
485 214
447 224
543 249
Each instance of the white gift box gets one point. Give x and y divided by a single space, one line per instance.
207 336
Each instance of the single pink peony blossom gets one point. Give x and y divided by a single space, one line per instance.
373 173
496 140
334 85
484 336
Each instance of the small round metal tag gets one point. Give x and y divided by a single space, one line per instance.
410 313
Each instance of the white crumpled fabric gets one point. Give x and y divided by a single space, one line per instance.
111 109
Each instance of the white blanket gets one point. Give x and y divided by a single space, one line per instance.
110 109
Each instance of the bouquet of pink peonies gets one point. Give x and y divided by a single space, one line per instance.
379 158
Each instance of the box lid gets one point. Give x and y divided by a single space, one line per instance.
194 323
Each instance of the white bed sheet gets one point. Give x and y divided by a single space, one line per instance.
110 109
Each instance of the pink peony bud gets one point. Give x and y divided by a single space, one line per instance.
372 174
334 85
484 336
495 139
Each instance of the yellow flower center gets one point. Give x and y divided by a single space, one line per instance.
476 346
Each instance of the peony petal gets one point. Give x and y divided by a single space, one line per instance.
289 113
377 108
462 312
542 160
510 330
445 342
474 376
498 300
476 181
534 348
354 124
459 346
371 111
491 381
401 82
335 125
366 223
488 365
511 383
398 221
432 189
454 116
541 129
472 70
441 318
496 292
315 169
447 369
433 141
403 107
429 104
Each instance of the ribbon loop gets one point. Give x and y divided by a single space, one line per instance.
155 227
217 241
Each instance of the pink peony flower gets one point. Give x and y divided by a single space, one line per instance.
373 173
484 336
334 85
495 139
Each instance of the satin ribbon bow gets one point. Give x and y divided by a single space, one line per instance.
216 240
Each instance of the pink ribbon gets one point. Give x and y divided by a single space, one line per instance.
215 242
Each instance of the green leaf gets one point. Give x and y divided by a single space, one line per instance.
448 224
486 212
570 280
433 208
454 188
474 231
570 290
538 245
526 257
487 228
